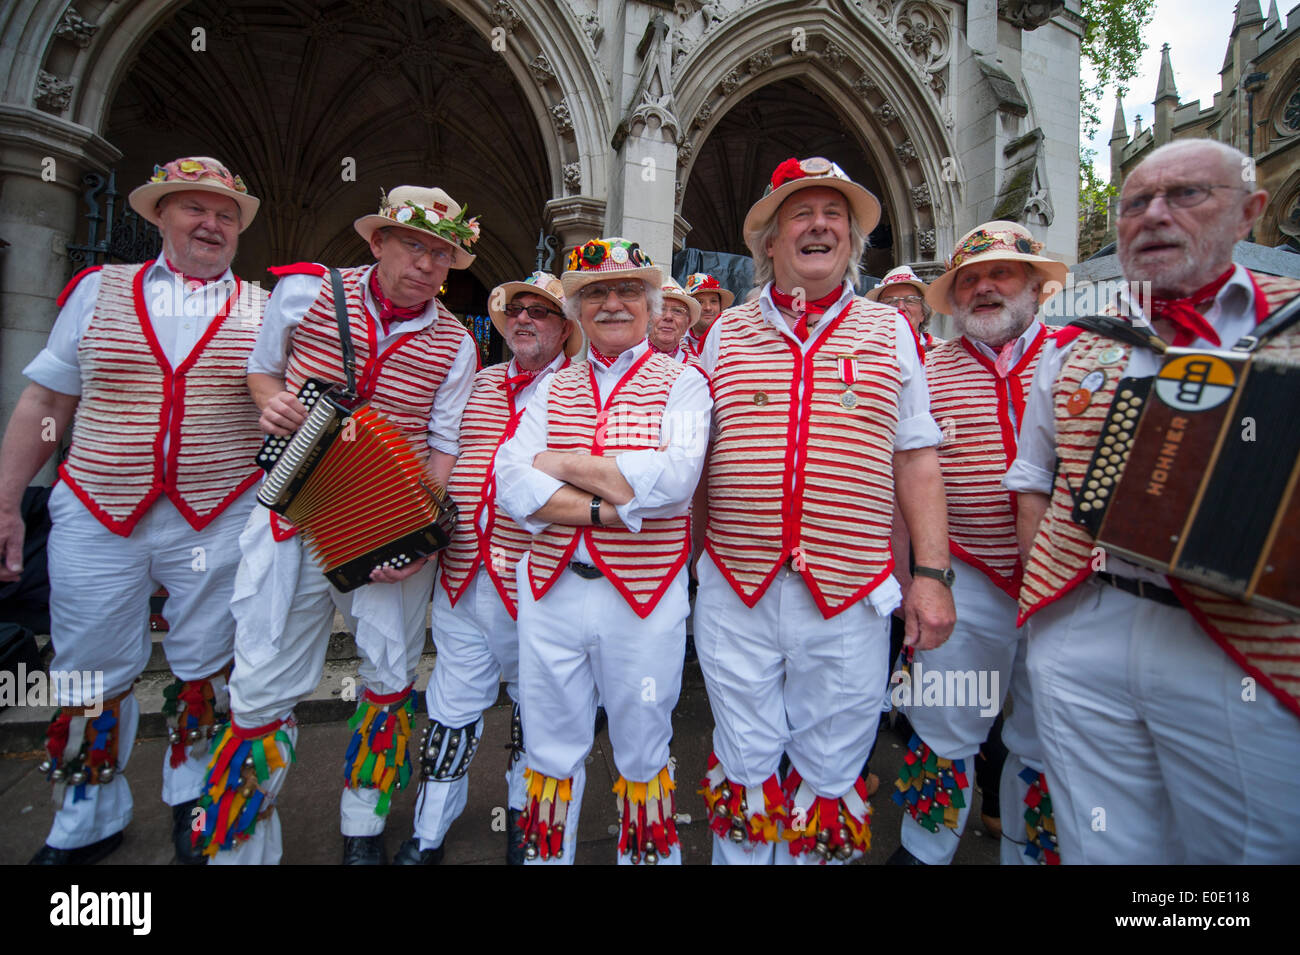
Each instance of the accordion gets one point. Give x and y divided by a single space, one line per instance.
1195 475
351 484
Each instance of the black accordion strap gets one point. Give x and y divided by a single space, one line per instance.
345 330
1120 331
1280 320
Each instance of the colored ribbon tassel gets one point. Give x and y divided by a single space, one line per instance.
727 803
191 710
232 801
1040 826
378 755
545 812
648 830
832 828
92 743
929 787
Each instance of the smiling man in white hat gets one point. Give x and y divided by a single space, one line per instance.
903 289
601 473
415 364
996 279
150 357
713 299
474 610
667 330
821 412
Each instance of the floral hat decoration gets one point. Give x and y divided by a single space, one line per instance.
795 174
193 174
428 211
612 258
698 282
1000 239
544 285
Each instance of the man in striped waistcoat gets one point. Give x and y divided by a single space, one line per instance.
475 608
1168 713
995 281
713 299
601 471
157 484
415 365
821 410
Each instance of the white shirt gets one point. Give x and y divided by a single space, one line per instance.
663 482
178 315
1231 315
1017 352
294 295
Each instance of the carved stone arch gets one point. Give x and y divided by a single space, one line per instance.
855 66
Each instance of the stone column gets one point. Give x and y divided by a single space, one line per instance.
574 220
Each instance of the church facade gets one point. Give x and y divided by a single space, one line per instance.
553 120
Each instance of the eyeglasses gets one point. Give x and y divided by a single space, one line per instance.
902 299
537 313
1179 197
627 291
418 250
678 311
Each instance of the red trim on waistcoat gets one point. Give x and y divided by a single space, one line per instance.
73 283
299 268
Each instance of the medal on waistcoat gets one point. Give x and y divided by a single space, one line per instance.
847 365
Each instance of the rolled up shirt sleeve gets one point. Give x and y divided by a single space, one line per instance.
522 490
450 399
1035 462
663 481
289 301
916 426
56 366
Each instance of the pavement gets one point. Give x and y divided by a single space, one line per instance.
308 804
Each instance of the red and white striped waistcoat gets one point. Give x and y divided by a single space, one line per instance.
811 481
400 381
642 565
131 398
1265 645
978 412
489 420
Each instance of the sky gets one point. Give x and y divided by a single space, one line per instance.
1197 34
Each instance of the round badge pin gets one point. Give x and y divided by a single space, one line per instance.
1093 380
618 254
1078 401
849 400
1111 355
760 398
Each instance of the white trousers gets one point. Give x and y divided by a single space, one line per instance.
265 688
478 648
983 645
1159 748
783 679
1024 751
100 585
582 639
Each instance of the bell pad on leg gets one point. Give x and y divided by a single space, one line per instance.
378 755
728 805
234 794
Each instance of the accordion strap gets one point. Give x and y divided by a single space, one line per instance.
1281 319
1120 331
345 330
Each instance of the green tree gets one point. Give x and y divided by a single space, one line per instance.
1112 45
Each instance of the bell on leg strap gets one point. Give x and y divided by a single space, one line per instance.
929 787
81 747
648 830
193 710
235 797
1040 827
378 755
727 803
832 828
542 823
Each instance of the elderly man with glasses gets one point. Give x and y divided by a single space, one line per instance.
1167 713
415 365
903 289
474 610
601 471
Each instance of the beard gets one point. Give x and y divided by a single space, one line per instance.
995 329
1184 270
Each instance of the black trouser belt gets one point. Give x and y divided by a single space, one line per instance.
585 571
1140 588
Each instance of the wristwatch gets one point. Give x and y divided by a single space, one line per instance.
945 576
595 510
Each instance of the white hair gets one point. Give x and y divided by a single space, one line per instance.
765 271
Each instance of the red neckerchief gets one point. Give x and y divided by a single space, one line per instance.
816 307
663 351
517 383
596 354
388 312
1182 313
187 279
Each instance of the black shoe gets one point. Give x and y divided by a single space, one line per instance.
410 853
182 835
902 857
602 720
514 838
364 850
82 855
